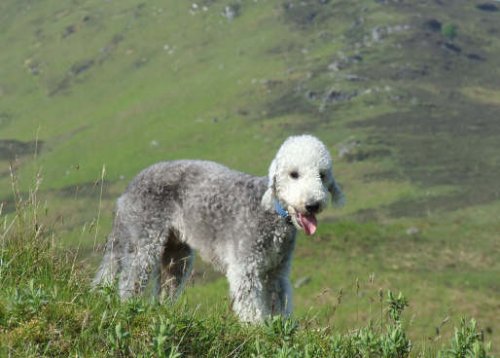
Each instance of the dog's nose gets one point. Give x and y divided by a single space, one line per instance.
313 208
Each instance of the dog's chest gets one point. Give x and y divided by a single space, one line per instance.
275 247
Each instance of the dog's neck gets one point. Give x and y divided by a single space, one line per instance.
267 201
279 216
280 210
271 203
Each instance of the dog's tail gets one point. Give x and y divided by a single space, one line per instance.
109 267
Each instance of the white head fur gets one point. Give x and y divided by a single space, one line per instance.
300 177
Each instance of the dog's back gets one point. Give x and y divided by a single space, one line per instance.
211 207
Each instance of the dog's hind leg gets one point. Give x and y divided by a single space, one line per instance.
112 262
138 261
110 265
175 267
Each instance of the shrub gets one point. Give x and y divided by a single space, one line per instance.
449 31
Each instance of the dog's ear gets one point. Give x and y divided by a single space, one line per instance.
338 197
268 197
272 175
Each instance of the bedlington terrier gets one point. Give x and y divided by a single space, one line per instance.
244 225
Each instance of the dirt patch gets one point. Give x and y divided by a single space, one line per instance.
81 67
77 69
291 101
488 7
85 190
305 14
361 155
5 118
60 87
91 190
306 99
11 149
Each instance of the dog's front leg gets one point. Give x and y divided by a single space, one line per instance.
248 296
279 293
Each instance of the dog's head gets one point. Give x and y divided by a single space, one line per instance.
300 177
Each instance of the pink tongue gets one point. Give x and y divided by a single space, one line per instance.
308 222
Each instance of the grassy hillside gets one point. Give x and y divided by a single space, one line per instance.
404 93
47 308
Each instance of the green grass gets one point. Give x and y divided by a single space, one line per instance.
47 308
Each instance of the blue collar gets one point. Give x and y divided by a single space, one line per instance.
280 210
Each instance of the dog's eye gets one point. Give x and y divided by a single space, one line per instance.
294 174
322 176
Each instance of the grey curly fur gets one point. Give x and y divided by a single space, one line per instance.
228 217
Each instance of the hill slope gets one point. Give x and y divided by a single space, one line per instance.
404 93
